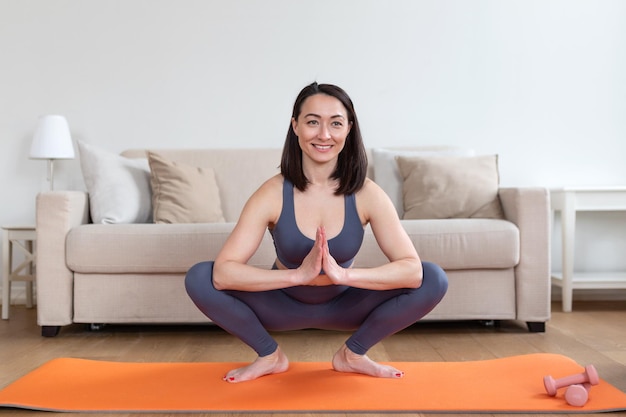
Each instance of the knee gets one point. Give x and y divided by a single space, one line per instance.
199 278
435 278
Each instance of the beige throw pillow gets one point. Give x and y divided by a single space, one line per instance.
450 187
387 175
182 193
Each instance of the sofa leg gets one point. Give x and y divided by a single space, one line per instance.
536 326
50 331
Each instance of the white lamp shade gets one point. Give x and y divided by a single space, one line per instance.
52 139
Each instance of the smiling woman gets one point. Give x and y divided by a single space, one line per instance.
316 210
336 122
322 128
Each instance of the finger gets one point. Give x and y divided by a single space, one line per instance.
319 235
324 241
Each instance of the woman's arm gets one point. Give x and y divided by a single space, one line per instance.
231 271
404 269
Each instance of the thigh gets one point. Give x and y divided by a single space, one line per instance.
278 311
350 310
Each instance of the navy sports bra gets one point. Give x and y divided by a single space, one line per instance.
292 246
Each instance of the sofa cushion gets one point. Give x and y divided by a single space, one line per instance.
118 187
450 187
183 193
238 173
174 248
151 248
387 175
455 244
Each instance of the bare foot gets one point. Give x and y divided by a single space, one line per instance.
274 363
347 361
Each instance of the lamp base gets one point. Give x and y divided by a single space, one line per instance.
51 173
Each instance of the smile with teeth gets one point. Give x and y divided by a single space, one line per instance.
322 147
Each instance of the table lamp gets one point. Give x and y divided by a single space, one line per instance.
52 140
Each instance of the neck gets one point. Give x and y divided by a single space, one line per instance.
320 174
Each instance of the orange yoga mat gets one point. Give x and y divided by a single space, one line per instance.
513 384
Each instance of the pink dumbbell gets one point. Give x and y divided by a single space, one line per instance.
552 385
577 394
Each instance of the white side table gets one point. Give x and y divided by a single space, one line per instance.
12 237
568 201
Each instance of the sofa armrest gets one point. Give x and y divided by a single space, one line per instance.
529 209
57 213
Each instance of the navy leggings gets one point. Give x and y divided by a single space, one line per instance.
373 314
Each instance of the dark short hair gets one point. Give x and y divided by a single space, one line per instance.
351 169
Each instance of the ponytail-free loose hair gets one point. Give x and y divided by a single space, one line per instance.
351 169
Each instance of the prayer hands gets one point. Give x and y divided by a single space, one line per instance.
320 260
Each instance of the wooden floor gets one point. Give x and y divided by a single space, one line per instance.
595 333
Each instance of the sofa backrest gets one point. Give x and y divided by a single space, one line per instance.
238 172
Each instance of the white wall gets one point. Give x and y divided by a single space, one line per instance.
540 82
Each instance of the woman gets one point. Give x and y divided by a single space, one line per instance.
316 210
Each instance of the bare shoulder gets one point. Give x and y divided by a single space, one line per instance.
371 192
373 200
271 187
266 201
260 211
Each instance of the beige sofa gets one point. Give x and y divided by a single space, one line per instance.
133 273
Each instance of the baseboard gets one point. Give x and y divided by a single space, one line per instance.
591 295
18 293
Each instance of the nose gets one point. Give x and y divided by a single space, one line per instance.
324 132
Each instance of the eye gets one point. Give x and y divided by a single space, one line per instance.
312 122
337 124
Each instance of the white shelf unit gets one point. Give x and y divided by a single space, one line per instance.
568 201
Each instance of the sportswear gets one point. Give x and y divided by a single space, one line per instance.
292 246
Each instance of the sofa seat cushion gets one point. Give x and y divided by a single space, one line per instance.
456 244
174 248
150 248
467 243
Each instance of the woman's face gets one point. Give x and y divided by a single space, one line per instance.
322 127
